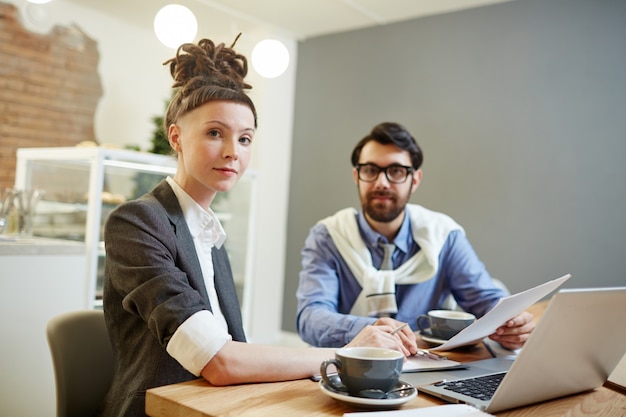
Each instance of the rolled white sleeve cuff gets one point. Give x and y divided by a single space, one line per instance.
197 340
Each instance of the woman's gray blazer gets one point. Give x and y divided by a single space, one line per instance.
153 283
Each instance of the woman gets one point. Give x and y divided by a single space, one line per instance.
169 297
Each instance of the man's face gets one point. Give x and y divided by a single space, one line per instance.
383 201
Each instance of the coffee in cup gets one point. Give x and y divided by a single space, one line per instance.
444 324
364 368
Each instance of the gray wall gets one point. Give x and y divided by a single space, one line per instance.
521 111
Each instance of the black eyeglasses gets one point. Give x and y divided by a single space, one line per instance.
396 174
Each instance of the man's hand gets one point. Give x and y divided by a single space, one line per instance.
514 333
379 335
406 336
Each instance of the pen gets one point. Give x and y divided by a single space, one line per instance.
400 327
431 355
489 349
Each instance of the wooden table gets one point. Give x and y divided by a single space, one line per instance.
303 398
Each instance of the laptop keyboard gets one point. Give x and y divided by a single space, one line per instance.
481 387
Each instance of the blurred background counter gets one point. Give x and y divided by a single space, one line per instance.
39 278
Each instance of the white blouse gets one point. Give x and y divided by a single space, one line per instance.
202 335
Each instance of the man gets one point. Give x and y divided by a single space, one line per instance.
347 281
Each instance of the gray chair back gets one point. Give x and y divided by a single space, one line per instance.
82 359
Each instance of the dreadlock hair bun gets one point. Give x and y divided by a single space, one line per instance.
205 72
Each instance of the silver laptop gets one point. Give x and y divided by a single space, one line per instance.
578 342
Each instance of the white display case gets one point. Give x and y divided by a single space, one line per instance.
83 185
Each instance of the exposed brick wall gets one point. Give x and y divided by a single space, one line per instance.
49 89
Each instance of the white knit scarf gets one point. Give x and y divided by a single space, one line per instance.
430 230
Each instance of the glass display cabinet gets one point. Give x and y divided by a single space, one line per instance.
82 185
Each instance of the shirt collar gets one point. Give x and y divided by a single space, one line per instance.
372 237
201 222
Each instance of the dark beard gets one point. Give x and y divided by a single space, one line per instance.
383 213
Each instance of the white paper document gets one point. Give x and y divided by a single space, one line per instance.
504 310
446 410
416 363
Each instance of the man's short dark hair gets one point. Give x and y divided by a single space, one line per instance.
391 133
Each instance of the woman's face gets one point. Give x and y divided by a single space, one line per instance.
213 143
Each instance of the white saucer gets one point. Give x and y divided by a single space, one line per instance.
431 339
394 401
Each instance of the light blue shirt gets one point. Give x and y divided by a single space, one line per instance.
328 289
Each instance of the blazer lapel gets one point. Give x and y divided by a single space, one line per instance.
227 293
164 193
224 283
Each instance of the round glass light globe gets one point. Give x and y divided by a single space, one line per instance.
39 1
174 25
270 58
